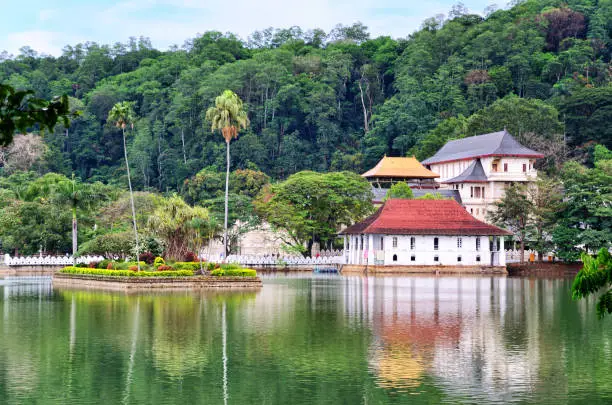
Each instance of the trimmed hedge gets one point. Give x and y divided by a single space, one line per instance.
125 273
234 272
193 266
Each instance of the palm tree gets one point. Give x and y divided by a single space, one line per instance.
228 116
75 195
122 115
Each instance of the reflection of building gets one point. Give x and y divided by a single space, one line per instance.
423 233
480 167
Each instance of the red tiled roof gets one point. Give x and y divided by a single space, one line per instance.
423 217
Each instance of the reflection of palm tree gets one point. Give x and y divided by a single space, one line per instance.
130 372
224 331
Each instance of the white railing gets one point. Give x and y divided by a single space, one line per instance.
48 260
273 260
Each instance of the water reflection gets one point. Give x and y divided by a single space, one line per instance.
306 340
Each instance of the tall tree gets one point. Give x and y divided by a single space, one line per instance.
76 195
227 116
595 275
122 116
513 213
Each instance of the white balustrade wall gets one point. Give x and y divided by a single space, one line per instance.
324 258
48 260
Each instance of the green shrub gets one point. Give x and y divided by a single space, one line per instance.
103 264
159 261
125 273
234 272
81 265
230 266
193 266
211 266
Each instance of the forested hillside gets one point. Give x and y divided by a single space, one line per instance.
328 101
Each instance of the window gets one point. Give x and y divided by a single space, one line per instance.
459 258
478 258
472 192
435 243
382 243
459 243
412 242
494 167
472 211
524 168
505 167
436 258
395 241
483 194
413 258
394 258
478 244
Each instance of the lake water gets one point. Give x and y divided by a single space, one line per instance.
307 340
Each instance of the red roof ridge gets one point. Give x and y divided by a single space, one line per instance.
423 217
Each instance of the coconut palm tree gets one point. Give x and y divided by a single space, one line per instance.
122 116
227 116
76 196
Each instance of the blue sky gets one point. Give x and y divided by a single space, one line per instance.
48 25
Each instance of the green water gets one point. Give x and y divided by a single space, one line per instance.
307 340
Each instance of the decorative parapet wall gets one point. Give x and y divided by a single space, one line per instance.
48 260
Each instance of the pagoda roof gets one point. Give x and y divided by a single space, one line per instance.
400 167
494 144
474 173
423 217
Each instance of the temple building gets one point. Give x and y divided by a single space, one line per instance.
481 167
423 233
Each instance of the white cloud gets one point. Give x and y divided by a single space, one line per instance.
47 14
42 41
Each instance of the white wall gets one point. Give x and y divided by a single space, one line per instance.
423 251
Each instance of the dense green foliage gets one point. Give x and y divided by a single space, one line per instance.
125 273
313 102
336 102
310 207
399 190
234 273
595 276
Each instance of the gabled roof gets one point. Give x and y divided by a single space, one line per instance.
381 193
474 173
494 144
402 167
423 217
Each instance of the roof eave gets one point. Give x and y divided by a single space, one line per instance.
534 155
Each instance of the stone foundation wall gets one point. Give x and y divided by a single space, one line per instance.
148 283
544 269
29 270
373 270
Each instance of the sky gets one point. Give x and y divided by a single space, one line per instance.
47 26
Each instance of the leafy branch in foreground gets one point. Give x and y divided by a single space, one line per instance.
20 111
595 275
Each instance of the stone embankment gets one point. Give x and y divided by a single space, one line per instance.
155 283
543 269
399 270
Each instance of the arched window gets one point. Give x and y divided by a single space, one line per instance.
436 258
478 258
459 258
413 258
394 258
